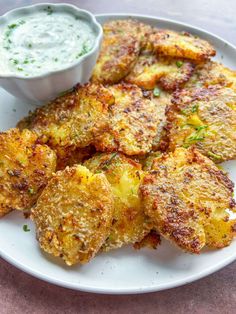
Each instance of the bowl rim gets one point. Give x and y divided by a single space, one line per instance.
34 7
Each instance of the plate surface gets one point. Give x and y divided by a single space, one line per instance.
125 270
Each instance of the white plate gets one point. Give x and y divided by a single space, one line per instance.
124 270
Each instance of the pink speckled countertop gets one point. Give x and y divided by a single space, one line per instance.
21 293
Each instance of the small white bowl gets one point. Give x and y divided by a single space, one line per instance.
48 85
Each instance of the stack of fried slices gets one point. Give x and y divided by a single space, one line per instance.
132 155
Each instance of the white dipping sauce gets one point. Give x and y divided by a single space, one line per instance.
44 41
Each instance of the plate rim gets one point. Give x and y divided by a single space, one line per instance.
147 288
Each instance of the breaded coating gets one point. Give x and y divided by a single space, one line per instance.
205 117
73 214
129 224
169 73
152 240
72 157
71 121
190 200
121 45
161 102
129 26
117 57
133 122
180 45
25 168
147 162
212 73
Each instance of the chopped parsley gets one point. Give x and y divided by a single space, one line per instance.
215 156
30 45
198 135
48 10
179 63
15 61
195 137
195 108
84 50
31 191
156 92
201 127
184 111
108 162
12 26
26 228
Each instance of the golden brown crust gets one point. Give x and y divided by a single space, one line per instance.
71 121
25 168
160 142
129 26
117 57
73 214
205 117
169 73
152 240
121 45
180 45
74 156
212 73
133 122
129 224
188 197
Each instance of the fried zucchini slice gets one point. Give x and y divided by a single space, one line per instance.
212 73
180 45
129 27
25 168
73 214
134 121
206 118
129 224
117 57
169 73
190 200
121 45
71 121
